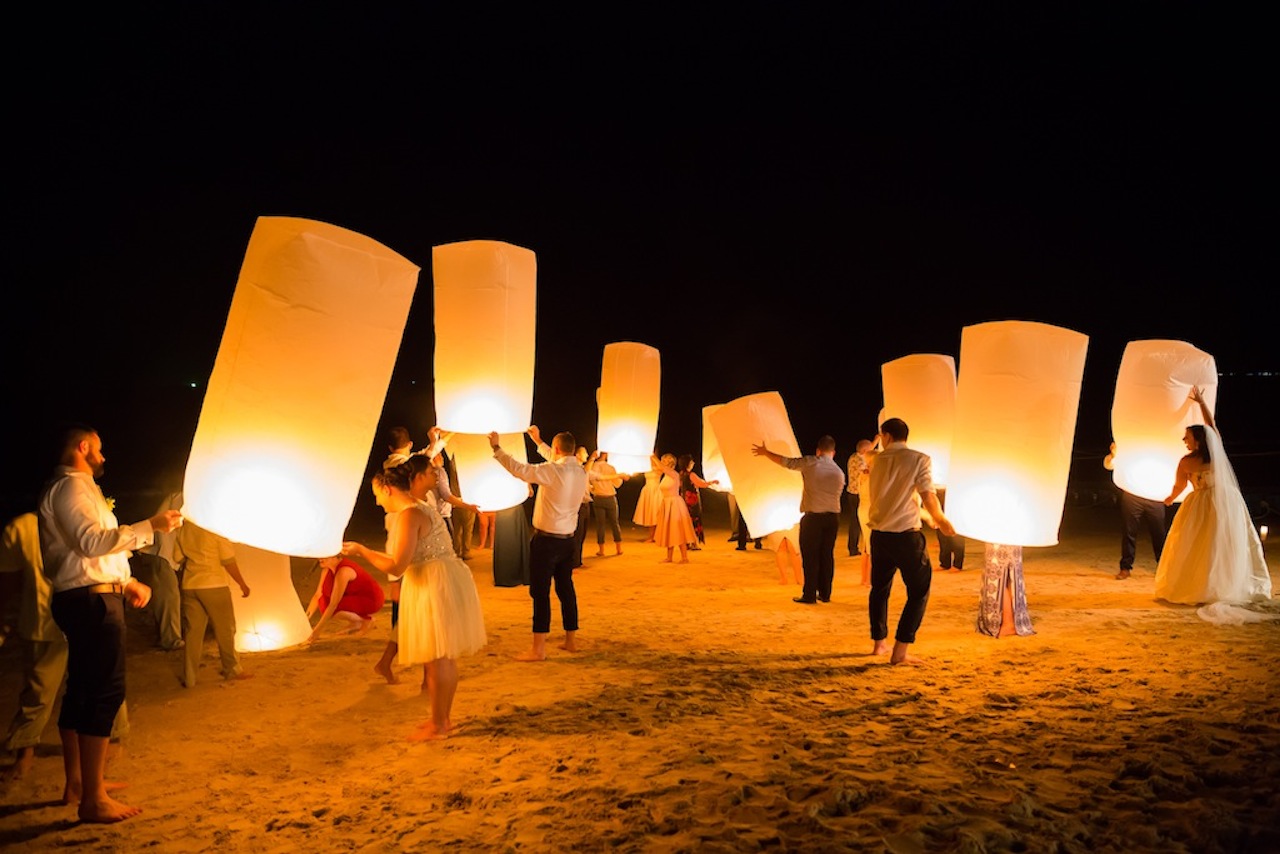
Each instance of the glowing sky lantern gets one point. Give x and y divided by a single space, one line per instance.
1151 409
485 317
261 621
768 495
713 467
921 390
630 382
279 454
1016 404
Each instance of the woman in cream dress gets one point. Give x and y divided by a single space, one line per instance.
440 618
649 506
675 527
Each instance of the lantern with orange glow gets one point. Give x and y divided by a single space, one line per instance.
485 317
628 397
1016 404
297 388
261 622
1151 409
713 467
921 390
768 495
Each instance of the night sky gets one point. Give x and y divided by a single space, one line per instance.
777 198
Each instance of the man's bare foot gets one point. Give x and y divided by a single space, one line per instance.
665 560
239 677
531 655
1122 575
599 552
569 646
681 560
880 647
106 811
21 766
901 656
384 670
618 551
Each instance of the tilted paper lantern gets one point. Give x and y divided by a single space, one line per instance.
630 383
921 390
279 454
485 319
713 467
1151 410
261 621
768 495
1016 403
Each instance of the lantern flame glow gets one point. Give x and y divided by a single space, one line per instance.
1016 403
313 331
1151 409
628 400
768 495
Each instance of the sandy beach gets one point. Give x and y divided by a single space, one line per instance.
707 712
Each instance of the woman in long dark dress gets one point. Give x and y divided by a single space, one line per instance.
511 533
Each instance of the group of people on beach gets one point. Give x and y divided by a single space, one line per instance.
1212 556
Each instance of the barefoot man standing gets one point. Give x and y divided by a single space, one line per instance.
86 556
552 553
897 543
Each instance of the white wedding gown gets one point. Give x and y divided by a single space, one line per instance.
1213 556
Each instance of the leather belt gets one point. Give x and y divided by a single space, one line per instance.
539 533
100 588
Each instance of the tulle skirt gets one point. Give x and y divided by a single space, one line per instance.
1212 554
440 614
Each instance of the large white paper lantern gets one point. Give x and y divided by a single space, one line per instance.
713 467
279 454
485 319
1152 408
263 622
628 397
768 495
1016 403
921 390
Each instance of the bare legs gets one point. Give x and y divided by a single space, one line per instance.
538 652
383 667
441 680
22 762
684 554
84 759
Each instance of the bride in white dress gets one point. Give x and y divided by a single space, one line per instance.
1212 556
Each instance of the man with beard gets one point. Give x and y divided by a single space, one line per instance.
86 557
